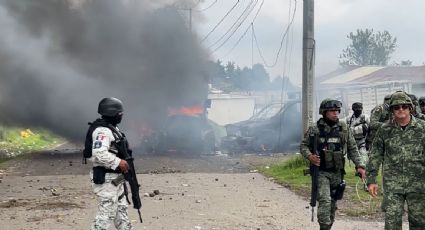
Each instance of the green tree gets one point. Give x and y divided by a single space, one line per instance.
368 48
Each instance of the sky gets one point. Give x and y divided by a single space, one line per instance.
334 20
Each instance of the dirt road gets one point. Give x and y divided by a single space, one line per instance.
51 190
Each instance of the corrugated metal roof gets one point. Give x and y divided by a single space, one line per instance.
353 75
414 74
377 74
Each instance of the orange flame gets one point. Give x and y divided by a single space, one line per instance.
186 110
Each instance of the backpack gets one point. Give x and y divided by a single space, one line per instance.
88 144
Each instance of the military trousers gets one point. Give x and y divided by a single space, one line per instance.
327 181
111 206
394 209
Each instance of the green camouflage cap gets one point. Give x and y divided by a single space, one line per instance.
400 98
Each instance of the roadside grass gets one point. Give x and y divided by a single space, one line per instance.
356 202
17 141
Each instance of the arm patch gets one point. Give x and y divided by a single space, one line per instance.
97 144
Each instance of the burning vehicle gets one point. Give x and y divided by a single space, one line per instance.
185 131
275 128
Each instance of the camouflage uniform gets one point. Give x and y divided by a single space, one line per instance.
112 205
334 143
111 202
416 112
378 116
421 102
359 127
402 154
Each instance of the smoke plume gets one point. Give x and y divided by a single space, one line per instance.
58 59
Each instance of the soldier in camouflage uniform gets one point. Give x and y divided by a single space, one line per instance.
415 111
422 104
359 126
399 147
378 116
334 142
107 166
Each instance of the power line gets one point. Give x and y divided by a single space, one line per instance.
245 32
227 14
187 8
286 63
228 37
281 42
206 8
233 25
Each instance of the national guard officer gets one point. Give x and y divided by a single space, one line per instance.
333 143
359 126
107 166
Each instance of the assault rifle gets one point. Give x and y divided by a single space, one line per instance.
130 176
314 172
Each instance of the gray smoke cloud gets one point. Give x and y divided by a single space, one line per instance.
59 58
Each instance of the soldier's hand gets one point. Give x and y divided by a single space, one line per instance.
314 159
123 165
373 189
362 173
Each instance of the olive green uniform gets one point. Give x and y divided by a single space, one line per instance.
402 154
378 116
334 143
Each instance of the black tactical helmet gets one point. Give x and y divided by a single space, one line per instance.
400 98
422 101
413 98
329 104
387 99
110 107
357 106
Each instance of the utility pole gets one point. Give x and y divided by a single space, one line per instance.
308 64
190 19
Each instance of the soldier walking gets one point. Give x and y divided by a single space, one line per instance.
359 126
333 143
416 111
399 148
422 104
378 116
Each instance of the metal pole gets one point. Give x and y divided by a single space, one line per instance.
308 63
190 19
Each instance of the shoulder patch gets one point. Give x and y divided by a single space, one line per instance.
97 144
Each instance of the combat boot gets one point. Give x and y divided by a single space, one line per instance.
325 227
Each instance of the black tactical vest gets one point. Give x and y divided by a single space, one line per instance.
330 146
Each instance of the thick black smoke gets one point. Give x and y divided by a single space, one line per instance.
58 59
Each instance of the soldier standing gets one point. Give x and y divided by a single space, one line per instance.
334 142
378 116
399 147
107 166
422 104
415 111
359 126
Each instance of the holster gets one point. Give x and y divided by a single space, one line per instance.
99 175
338 192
